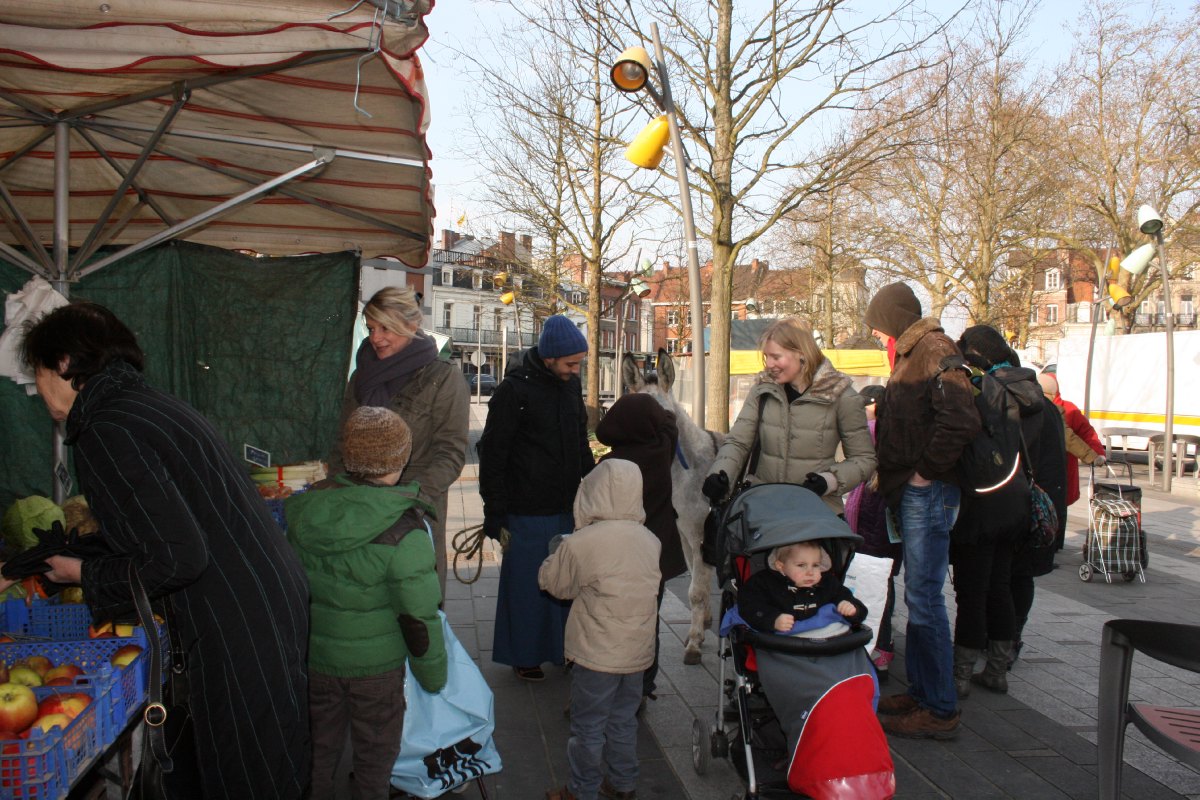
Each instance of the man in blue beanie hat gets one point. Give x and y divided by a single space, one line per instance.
533 453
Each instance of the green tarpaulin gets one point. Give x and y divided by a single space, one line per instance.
261 346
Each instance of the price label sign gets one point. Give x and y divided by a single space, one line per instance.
260 458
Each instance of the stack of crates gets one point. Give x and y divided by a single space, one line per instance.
44 765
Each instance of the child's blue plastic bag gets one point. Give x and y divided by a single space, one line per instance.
447 739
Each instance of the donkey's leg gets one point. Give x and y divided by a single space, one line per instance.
698 589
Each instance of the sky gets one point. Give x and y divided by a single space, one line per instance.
455 22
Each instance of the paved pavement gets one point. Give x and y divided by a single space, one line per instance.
1038 741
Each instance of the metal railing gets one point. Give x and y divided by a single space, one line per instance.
463 336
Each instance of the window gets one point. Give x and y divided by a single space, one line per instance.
576 297
1033 316
1053 281
1052 314
672 345
608 338
673 319
447 277
1185 304
477 280
447 317
497 319
707 317
631 311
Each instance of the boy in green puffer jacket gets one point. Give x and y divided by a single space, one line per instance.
366 547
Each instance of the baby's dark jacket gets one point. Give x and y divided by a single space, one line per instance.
768 593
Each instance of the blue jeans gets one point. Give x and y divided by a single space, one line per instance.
603 731
926 515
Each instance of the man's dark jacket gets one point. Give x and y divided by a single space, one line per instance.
534 449
927 417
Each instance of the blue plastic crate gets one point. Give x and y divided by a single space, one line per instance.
48 619
44 766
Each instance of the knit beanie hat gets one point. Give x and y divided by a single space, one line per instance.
560 337
871 394
1049 384
893 310
984 347
375 441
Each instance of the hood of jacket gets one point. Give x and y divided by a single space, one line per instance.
1023 386
345 514
893 310
611 491
915 332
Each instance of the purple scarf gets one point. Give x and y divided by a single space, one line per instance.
377 381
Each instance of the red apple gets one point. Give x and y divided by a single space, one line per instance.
101 631
39 664
50 722
70 703
18 707
62 675
125 655
25 675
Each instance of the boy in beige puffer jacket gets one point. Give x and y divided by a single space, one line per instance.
609 567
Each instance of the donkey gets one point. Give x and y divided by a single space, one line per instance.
696 452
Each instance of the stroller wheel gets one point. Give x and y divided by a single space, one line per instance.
718 742
1129 576
1085 572
700 748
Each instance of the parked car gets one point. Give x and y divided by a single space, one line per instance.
481 384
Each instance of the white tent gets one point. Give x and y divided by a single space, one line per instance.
223 122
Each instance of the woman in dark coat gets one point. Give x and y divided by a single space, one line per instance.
177 508
988 542
640 430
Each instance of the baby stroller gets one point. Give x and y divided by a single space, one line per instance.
1116 542
798 714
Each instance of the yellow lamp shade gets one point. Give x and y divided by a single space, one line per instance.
507 298
632 69
499 279
1120 296
1114 264
646 150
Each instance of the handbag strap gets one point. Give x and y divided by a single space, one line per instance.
155 713
755 448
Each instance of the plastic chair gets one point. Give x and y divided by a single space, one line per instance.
1174 730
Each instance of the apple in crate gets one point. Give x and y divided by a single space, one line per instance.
69 703
39 664
125 655
25 675
18 707
50 722
62 675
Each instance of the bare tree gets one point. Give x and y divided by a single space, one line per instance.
1131 108
754 91
549 145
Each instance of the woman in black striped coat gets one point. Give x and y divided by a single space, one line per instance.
176 507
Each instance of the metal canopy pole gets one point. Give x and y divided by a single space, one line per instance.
25 231
324 156
62 239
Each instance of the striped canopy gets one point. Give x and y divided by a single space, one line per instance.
274 127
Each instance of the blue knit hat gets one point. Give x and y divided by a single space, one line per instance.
560 338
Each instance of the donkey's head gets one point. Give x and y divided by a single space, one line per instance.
657 383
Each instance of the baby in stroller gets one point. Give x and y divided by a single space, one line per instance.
798 659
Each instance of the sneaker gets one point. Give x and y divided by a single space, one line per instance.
881 659
531 674
609 791
922 724
897 704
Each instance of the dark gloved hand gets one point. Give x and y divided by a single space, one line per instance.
54 541
716 486
493 524
815 484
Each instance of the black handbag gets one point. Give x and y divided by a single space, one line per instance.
168 767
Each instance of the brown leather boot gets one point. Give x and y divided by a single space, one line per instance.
922 724
611 792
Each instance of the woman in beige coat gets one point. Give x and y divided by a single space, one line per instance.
397 367
803 411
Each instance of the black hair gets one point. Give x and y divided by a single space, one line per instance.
984 347
871 394
87 335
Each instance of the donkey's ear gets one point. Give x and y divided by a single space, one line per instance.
631 373
666 370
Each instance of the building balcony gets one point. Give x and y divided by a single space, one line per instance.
487 338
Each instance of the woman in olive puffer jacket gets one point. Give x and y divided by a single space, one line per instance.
803 410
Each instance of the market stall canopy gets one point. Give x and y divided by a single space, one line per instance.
274 127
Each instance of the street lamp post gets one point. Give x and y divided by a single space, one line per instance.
631 73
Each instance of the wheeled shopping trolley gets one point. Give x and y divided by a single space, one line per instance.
1116 541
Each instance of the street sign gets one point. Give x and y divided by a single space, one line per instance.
477 358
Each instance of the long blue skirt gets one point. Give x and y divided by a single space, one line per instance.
529 622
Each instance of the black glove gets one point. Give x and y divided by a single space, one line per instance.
493 524
55 541
815 484
716 486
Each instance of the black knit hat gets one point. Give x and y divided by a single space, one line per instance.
893 310
984 347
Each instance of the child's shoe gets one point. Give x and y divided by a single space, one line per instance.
607 790
881 659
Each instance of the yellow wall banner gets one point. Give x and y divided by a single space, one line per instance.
852 362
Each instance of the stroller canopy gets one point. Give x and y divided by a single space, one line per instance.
769 515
